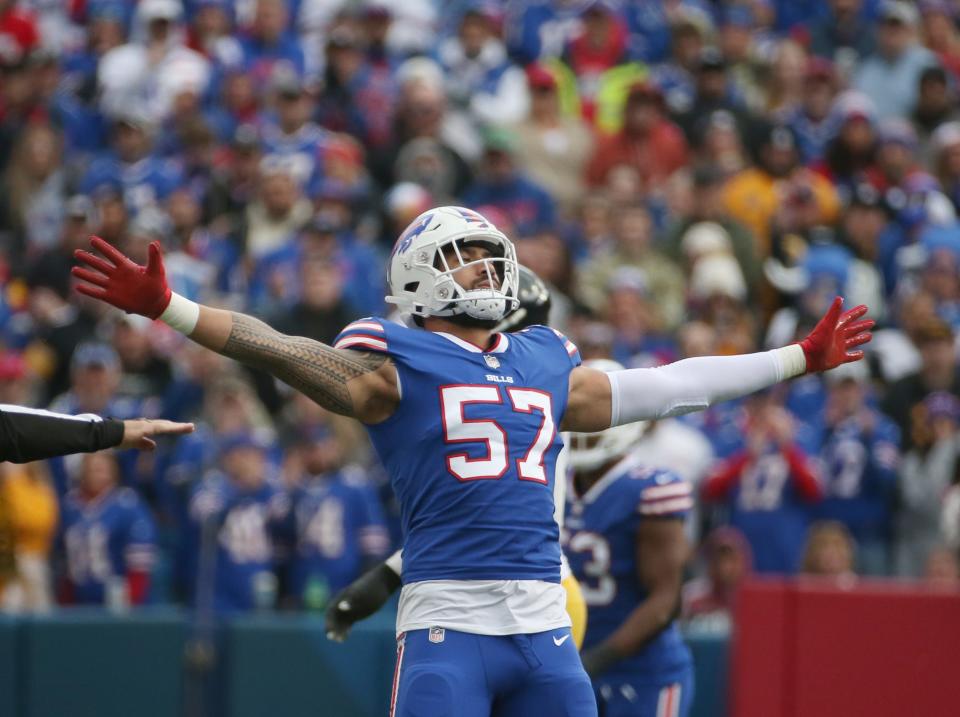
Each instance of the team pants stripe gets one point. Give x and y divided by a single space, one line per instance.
668 704
396 674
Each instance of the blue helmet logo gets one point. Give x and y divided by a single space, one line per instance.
406 239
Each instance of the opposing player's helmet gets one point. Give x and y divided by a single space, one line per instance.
534 308
589 451
421 278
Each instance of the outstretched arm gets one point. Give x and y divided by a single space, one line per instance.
357 384
599 399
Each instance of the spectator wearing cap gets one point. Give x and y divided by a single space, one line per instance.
212 33
95 378
131 168
713 93
233 513
860 458
936 106
889 75
851 151
755 195
844 35
927 473
376 20
691 29
896 161
293 138
940 34
938 372
431 145
502 183
237 103
321 310
717 296
709 221
737 40
649 142
631 312
813 120
480 79
598 46
35 186
553 148
105 29
862 224
269 42
335 523
709 601
632 245
769 483
355 98
149 72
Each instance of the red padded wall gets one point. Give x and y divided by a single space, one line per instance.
811 649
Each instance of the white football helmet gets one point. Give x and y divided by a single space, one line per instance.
589 451
421 279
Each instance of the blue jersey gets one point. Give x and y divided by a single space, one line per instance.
472 447
103 539
144 183
601 528
302 151
860 475
338 529
242 523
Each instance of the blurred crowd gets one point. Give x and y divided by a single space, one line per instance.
689 177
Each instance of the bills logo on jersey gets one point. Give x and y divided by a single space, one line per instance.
436 634
491 361
406 239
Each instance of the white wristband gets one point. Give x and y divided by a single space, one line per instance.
181 314
792 360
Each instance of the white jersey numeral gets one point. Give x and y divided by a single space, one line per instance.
459 429
599 588
526 400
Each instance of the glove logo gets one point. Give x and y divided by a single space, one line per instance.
436 634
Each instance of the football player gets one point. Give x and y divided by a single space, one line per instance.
627 545
466 422
368 593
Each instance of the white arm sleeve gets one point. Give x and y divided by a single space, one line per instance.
696 383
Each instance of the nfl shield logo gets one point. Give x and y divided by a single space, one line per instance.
436 634
492 361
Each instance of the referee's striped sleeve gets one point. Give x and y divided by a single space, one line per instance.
31 434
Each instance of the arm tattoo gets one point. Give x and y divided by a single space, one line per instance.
315 369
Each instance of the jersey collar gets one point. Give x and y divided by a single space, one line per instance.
499 347
609 477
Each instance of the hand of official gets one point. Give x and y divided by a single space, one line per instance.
834 338
360 599
137 432
121 282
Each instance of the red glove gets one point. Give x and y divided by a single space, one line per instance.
829 344
121 282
